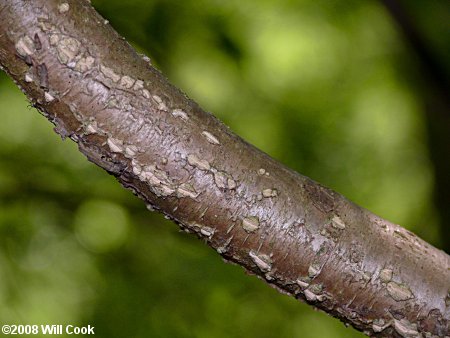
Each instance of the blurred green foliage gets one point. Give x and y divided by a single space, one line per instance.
316 84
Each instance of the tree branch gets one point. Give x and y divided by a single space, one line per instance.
300 237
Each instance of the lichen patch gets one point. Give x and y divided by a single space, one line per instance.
316 288
310 296
160 102
25 46
163 190
131 151
109 73
224 180
250 223
405 328
48 97
146 59
337 223
145 93
193 160
63 8
187 190
53 39
154 176
313 270
180 113
112 102
28 78
84 64
379 325
210 137
263 262
385 275
399 292
115 145
138 85
366 276
126 82
67 49
303 282
231 183
312 293
91 128
207 231
268 193
46 26
136 167
160 182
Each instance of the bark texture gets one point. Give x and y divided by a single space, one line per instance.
300 237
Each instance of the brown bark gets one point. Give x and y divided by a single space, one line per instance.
300 237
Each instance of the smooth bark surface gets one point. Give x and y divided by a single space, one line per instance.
300 237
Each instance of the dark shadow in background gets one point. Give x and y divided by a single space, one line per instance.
433 82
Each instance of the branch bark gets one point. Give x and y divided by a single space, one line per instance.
298 236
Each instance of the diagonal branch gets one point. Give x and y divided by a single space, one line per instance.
300 237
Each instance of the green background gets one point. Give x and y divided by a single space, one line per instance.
330 88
